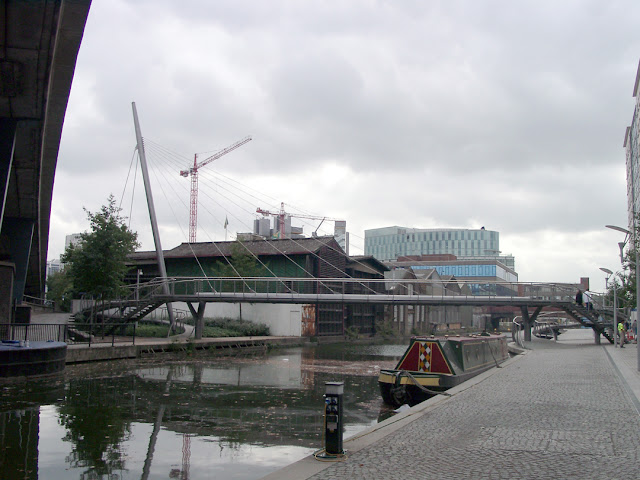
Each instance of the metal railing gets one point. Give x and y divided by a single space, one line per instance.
102 333
90 334
517 332
188 286
34 332
39 302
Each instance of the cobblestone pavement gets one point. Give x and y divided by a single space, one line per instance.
559 412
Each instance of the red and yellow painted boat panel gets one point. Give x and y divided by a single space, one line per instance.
426 357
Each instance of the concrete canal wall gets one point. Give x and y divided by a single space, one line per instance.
80 353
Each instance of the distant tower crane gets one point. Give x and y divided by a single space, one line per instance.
282 214
193 171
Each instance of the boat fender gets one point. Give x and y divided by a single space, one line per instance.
399 375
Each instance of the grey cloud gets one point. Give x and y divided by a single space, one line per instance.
447 113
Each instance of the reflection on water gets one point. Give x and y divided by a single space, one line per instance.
185 417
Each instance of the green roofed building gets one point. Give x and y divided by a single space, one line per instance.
316 257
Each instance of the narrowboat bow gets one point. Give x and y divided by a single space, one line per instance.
432 365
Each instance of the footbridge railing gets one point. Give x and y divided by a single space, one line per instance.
355 291
144 298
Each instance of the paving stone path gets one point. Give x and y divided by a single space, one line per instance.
559 412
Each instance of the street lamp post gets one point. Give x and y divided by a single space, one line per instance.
615 303
631 236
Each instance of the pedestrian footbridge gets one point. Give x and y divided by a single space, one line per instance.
196 292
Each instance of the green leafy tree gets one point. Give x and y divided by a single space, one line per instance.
625 281
60 290
242 264
97 264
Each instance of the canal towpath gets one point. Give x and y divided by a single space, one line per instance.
565 409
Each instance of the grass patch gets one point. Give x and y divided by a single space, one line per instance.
228 327
152 330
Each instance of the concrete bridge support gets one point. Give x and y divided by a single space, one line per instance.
18 234
528 320
7 144
198 318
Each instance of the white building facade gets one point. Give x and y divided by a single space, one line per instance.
632 150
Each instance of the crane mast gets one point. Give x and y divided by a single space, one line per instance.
193 171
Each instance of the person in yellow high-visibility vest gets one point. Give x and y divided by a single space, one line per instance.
621 334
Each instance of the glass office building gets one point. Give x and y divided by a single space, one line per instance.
389 243
465 269
472 254
631 141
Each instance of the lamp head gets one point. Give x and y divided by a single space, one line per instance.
619 229
606 270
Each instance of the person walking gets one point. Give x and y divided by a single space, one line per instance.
621 334
587 300
579 297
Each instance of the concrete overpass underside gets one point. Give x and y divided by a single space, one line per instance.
39 43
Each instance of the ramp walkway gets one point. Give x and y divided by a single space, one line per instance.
565 409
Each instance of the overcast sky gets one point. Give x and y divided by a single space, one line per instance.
424 114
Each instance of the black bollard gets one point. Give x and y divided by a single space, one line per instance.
333 418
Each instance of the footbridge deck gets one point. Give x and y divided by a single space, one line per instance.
196 292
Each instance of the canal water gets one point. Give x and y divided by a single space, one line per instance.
186 416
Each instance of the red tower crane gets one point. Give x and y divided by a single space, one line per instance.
193 171
282 214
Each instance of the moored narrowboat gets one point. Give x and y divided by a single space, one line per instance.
432 365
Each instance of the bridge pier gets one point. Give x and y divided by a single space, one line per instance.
18 233
8 128
198 318
596 337
528 320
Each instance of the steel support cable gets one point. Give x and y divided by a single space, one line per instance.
210 175
252 212
284 254
133 191
246 186
224 256
312 253
190 247
155 173
214 243
165 151
133 156
170 157
309 251
266 195
298 244
357 236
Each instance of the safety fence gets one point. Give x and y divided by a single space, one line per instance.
34 332
89 334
